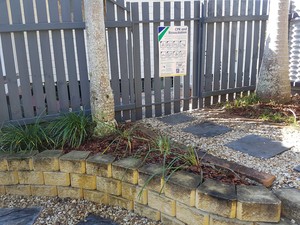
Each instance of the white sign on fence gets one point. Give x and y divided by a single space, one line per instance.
173 46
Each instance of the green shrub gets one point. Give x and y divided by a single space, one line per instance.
70 130
16 138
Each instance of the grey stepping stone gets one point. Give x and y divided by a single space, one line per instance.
258 146
97 220
297 168
207 129
18 216
176 119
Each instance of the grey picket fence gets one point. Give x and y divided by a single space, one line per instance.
44 68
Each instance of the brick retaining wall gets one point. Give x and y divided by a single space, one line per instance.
126 183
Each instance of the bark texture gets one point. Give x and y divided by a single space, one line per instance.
273 82
102 101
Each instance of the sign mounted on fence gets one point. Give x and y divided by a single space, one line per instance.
173 46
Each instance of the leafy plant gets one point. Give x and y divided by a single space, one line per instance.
244 101
125 135
17 138
70 130
276 117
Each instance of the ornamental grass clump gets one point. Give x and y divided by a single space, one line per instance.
70 130
18 138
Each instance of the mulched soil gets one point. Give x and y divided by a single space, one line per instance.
256 111
142 145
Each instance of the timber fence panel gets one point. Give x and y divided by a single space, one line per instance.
4 113
60 70
217 50
167 80
113 58
34 58
157 79
147 60
176 79
186 78
225 50
233 51
241 47
50 93
9 65
137 61
210 5
122 41
81 58
66 12
23 67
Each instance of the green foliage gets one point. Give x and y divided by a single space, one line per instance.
17 138
192 158
276 117
245 101
70 130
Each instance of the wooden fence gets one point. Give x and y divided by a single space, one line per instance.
44 72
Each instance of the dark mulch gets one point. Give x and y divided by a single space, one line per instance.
258 110
142 143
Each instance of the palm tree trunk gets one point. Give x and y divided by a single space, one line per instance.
102 101
273 81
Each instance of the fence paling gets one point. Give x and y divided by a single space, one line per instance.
157 80
61 82
26 99
147 60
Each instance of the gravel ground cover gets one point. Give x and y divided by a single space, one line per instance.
282 165
57 211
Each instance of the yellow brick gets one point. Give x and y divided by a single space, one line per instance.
109 185
43 190
218 220
83 181
72 166
146 211
100 165
3 164
31 177
135 193
18 190
21 161
2 190
169 220
9 177
74 161
161 203
189 215
69 192
95 196
47 160
154 183
57 178
119 201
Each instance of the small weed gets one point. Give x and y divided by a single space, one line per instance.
70 130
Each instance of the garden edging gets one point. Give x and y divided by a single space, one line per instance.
125 183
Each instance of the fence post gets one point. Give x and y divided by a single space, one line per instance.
102 101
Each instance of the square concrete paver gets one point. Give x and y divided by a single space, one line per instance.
176 119
297 168
258 146
13 216
207 129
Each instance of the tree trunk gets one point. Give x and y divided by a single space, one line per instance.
273 81
102 101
